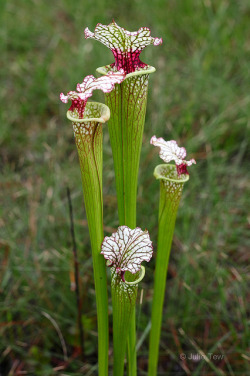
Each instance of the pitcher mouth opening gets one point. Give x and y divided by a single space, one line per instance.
94 111
146 70
168 172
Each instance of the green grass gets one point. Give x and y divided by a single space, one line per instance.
198 96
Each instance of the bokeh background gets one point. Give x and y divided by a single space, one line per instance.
198 96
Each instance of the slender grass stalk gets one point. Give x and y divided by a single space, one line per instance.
127 103
170 194
88 138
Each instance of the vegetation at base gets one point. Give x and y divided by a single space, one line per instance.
199 96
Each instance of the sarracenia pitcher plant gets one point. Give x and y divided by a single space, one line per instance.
127 103
172 179
124 251
125 84
87 120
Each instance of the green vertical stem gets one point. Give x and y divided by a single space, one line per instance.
88 138
123 301
170 194
132 366
127 103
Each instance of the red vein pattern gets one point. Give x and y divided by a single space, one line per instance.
125 45
83 131
171 183
127 103
126 249
170 151
86 88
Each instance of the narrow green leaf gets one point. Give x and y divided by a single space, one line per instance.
88 138
123 301
170 194
127 103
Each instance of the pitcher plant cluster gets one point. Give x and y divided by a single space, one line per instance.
125 85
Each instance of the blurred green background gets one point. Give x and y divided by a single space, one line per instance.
199 96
